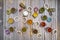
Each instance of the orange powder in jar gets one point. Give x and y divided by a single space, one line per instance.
29 22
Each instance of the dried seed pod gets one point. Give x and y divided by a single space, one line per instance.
11 29
41 10
10 20
22 5
42 24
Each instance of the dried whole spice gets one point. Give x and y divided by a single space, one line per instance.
22 5
42 24
41 10
13 10
34 31
44 17
11 29
29 22
49 29
35 14
10 20
24 29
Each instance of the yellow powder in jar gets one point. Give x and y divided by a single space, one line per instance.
35 14
10 20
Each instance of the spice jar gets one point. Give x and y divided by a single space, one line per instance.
35 14
41 10
8 12
49 29
24 29
35 9
7 31
42 24
49 19
44 17
25 13
11 29
34 31
10 20
50 10
22 5
13 10
29 22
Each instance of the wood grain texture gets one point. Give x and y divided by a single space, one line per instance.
20 24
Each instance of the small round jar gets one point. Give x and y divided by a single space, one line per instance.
42 24
22 5
39 35
34 31
24 29
50 14
54 31
8 12
13 10
7 31
16 19
29 8
11 29
41 10
49 29
25 13
35 9
51 10
46 6
49 19
10 20
35 14
29 22
44 17
20 9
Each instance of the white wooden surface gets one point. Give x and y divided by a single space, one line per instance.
19 24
